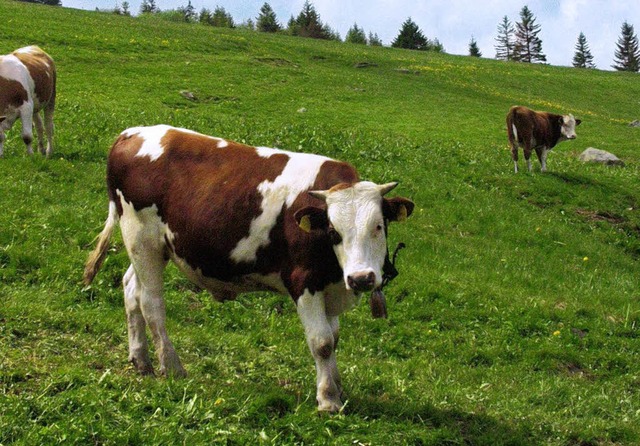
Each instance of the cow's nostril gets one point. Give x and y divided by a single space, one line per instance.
362 281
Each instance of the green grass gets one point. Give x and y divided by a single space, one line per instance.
515 318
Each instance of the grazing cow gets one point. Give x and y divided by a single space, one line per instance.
27 86
236 218
537 130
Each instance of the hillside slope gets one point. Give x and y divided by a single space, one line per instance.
515 317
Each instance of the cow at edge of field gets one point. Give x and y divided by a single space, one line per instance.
28 86
539 131
235 219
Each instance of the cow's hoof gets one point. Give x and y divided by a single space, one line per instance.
143 367
329 407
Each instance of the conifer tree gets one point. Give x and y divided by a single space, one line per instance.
505 40
374 40
627 54
308 24
474 51
267 21
356 35
125 9
528 46
583 57
222 18
410 37
149 7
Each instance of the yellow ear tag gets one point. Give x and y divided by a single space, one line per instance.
402 213
305 223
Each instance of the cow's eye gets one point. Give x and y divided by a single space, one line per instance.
334 236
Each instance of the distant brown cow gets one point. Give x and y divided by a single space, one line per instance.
537 130
28 86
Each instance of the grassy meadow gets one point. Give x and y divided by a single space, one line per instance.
515 318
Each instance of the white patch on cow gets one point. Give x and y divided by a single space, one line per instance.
515 132
152 136
356 214
298 176
222 143
11 68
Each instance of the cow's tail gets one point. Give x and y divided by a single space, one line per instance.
97 256
512 132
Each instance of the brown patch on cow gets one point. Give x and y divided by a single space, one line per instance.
43 72
12 93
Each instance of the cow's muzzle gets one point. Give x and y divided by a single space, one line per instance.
360 282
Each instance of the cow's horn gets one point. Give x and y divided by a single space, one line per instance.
386 188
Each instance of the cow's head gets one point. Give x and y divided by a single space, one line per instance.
355 219
568 126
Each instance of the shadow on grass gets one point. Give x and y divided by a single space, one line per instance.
443 426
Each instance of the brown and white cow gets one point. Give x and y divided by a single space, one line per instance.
540 131
236 218
28 86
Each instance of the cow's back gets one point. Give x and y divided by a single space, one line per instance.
42 71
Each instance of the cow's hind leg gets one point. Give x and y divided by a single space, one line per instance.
319 331
527 156
514 156
138 347
48 123
142 232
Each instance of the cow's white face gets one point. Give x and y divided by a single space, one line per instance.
568 129
355 219
355 215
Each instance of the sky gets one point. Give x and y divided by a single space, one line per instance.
452 22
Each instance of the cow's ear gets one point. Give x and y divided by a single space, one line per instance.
397 208
311 217
578 121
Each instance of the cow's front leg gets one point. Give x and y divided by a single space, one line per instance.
138 347
543 159
319 331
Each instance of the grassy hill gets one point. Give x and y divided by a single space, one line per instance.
515 318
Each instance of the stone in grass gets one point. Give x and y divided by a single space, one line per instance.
592 155
635 123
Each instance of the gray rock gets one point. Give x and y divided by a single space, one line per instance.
302 110
635 123
592 155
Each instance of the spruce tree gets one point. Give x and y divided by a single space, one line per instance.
474 51
222 18
267 21
308 24
505 40
410 37
528 47
125 9
149 7
583 57
356 35
627 55
374 40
